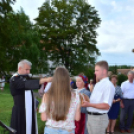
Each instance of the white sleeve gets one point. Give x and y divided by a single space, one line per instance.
108 95
47 87
123 87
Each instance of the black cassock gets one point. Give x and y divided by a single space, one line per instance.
18 87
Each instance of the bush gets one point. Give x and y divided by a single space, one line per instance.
121 78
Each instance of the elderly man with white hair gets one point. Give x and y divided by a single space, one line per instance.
127 103
23 113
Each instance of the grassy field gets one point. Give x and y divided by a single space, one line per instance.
6 104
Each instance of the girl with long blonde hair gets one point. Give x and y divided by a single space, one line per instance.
60 106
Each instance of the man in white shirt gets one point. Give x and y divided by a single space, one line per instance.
100 101
127 103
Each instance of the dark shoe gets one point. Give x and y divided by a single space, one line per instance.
122 131
128 131
108 132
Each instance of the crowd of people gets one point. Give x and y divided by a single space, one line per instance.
70 107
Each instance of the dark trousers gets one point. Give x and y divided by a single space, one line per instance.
126 114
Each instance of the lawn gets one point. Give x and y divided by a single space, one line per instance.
6 104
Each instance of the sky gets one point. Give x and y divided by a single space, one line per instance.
115 38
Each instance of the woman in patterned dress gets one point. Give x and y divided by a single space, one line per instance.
60 106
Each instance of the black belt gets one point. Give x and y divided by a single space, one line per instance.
127 99
95 113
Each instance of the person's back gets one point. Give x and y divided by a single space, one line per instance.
60 105
69 122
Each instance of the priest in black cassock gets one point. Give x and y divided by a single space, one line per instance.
24 110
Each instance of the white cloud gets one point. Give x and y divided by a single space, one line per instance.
116 32
30 7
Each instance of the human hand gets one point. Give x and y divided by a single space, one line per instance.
43 80
49 79
85 104
114 101
122 105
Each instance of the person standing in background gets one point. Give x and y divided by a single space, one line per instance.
91 85
2 83
127 103
114 110
82 89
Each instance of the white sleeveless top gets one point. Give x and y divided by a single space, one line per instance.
69 122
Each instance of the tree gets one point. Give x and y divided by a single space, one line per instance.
20 40
28 43
5 8
113 69
68 33
121 78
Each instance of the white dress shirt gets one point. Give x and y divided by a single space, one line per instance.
47 87
103 92
127 90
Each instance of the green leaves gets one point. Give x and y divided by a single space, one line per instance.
68 31
65 32
20 39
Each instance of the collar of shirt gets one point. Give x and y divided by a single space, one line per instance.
103 79
79 90
129 82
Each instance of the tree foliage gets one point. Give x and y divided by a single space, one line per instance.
19 40
121 78
68 33
5 8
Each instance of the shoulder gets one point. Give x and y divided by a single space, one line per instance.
17 82
14 79
87 92
118 87
109 84
124 83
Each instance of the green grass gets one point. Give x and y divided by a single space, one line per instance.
6 104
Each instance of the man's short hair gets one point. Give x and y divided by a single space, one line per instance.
130 72
102 64
24 61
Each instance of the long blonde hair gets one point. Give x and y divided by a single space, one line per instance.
58 97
